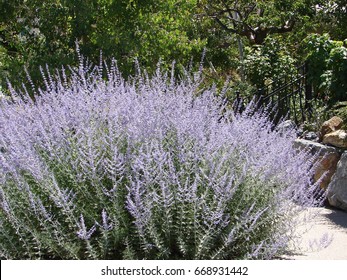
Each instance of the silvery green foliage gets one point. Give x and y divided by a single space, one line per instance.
99 167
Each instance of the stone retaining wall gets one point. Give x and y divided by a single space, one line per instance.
331 163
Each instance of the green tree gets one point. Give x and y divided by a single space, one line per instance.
256 20
248 23
333 18
270 63
327 60
164 30
35 32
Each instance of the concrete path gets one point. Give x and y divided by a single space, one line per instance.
325 238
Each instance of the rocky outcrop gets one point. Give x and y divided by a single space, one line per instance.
331 125
310 135
337 190
336 138
327 159
331 160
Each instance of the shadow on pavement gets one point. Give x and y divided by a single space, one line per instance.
337 217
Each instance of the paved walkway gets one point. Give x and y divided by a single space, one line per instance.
325 238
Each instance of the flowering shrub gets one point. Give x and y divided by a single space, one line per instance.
97 167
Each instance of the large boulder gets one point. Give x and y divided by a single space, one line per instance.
336 138
326 156
337 190
333 124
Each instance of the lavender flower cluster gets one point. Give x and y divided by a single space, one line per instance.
99 167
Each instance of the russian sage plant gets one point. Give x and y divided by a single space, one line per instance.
99 167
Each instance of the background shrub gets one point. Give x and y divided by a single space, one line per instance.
327 61
270 63
98 167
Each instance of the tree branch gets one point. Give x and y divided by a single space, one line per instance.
286 27
249 11
233 17
224 26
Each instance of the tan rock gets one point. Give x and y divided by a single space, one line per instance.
333 124
336 138
326 166
326 160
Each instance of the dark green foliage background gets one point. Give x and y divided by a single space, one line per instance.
37 33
